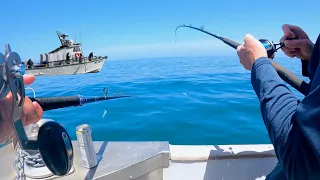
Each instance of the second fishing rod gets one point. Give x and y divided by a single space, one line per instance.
271 48
51 103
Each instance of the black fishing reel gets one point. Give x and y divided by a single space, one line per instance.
270 47
53 144
53 141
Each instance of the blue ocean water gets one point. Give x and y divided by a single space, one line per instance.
196 100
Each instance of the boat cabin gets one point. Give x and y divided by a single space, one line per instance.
64 54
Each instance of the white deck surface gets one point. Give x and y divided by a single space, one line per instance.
122 160
237 162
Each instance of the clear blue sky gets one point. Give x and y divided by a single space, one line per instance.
125 29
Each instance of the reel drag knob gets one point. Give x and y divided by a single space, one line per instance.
55 148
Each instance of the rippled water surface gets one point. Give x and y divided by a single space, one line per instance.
207 100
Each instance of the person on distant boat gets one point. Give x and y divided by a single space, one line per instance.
81 57
68 58
45 62
90 56
31 112
293 126
29 63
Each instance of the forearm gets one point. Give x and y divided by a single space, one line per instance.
277 104
2 86
4 112
3 136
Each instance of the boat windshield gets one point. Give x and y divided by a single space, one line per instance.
76 49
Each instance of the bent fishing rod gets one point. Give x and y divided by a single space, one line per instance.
271 48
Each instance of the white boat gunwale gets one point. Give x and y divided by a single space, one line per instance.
157 160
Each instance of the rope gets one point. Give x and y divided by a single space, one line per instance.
33 159
23 158
19 165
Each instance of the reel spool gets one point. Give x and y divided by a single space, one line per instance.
270 47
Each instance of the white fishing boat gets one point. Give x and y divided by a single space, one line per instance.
65 60
154 161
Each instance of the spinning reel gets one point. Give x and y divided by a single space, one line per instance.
271 47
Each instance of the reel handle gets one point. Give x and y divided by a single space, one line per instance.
304 64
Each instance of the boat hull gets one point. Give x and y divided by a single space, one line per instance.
93 66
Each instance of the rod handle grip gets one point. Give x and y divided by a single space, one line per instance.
291 79
50 103
231 43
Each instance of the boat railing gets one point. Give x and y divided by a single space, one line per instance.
66 62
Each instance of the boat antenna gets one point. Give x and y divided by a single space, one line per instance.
81 41
271 48
80 37
75 37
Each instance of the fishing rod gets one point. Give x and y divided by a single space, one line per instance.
271 48
50 103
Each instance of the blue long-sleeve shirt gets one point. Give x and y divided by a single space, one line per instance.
293 128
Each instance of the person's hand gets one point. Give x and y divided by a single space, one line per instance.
250 51
300 46
31 113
